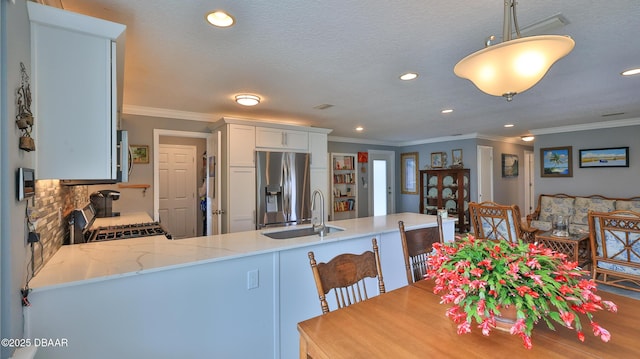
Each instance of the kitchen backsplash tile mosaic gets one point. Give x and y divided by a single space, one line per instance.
52 205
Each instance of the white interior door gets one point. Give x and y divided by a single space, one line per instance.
381 193
177 194
485 173
214 216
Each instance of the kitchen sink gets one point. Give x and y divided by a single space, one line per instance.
300 232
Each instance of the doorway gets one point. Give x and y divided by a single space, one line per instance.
178 200
210 199
485 173
382 194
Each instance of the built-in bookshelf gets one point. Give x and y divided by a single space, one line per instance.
344 186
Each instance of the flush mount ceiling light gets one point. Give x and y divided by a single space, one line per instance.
631 72
527 138
359 128
408 76
247 100
446 111
513 66
509 125
220 18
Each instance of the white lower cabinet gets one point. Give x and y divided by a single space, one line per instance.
320 181
242 199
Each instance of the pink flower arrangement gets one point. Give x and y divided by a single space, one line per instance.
482 277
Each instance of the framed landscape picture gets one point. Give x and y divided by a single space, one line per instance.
556 162
604 157
509 165
409 174
139 153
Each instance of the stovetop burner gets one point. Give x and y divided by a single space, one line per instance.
126 231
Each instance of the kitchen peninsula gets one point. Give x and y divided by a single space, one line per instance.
235 295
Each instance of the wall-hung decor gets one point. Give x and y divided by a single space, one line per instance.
363 157
604 157
139 153
456 158
24 117
509 165
436 159
556 162
409 173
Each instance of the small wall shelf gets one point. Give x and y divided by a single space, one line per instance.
142 186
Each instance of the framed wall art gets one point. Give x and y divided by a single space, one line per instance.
556 162
509 165
604 157
456 157
436 159
139 153
409 172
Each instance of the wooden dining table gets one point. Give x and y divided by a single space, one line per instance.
410 322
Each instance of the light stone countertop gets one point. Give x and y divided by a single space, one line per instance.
124 218
91 262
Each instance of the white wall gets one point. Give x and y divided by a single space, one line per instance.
620 182
13 248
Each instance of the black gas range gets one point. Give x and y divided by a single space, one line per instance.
82 230
126 231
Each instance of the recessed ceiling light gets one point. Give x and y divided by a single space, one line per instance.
220 18
447 110
509 125
527 138
359 128
247 100
631 72
408 76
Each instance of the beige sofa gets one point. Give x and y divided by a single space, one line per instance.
578 208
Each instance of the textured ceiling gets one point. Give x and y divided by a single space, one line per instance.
297 55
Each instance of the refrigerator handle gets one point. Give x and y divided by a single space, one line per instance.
286 191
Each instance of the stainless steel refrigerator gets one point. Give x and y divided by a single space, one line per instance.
283 193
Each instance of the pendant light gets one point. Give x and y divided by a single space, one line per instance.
513 66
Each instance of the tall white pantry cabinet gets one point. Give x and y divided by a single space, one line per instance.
241 138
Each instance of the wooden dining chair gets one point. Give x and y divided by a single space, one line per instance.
345 274
490 220
615 248
416 246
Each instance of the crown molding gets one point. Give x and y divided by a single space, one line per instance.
203 117
438 139
587 126
166 113
360 141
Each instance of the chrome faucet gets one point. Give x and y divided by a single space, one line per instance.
318 228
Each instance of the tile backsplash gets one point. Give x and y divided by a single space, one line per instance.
52 204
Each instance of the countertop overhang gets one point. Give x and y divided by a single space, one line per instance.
90 262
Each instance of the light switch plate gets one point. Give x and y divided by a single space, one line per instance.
253 279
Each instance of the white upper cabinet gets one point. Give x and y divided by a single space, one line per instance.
75 81
242 145
276 138
318 149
